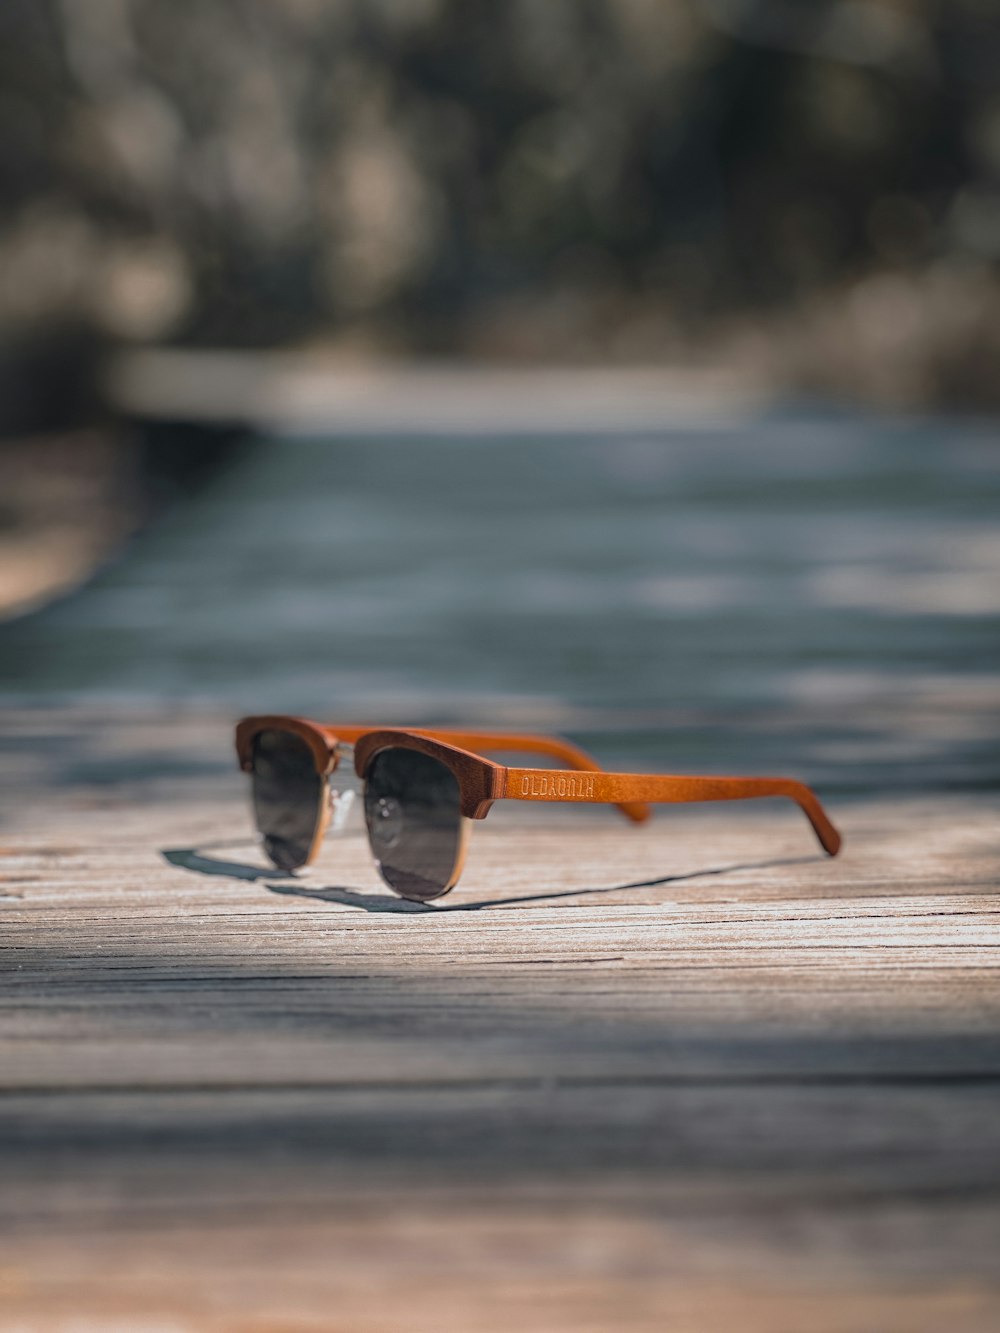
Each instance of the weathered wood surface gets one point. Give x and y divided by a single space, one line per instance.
690 1076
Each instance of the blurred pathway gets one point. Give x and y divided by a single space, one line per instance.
820 593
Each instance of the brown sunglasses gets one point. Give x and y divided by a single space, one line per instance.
421 789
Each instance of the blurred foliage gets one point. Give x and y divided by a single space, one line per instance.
813 187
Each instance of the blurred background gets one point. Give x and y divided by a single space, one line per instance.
812 191
609 364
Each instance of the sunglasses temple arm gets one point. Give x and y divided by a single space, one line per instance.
496 742
572 755
533 784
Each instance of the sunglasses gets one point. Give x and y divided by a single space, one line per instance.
422 789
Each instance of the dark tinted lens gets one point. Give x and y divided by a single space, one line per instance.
414 820
287 796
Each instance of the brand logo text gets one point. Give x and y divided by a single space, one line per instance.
568 786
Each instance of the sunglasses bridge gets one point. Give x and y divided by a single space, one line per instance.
343 786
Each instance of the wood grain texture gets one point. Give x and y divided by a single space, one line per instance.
690 1075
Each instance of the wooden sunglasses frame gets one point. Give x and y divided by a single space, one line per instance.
324 738
481 781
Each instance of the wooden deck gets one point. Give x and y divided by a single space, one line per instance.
686 1077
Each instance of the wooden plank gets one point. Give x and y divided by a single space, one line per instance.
688 1076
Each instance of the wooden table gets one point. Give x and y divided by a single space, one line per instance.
685 1077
